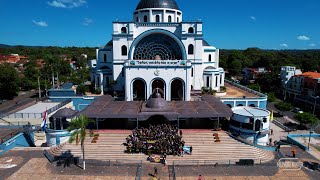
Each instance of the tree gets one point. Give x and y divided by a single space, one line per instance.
255 87
306 118
78 126
284 106
82 89
8 82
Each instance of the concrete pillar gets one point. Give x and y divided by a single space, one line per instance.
167 90
213 81
164 16
187 88
150 16
101 83
128 95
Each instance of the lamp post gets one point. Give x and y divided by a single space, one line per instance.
314 104
39 87
311 129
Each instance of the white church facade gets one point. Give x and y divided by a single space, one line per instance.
157 51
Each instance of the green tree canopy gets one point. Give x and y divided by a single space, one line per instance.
8 82
306 118
284 106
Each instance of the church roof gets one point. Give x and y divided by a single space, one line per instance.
205 43
106 108
171 4
64 113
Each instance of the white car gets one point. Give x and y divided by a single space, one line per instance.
297 110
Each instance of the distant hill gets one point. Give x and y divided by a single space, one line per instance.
4 46
10 46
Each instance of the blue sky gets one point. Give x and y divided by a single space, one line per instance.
228 24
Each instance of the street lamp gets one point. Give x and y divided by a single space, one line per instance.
311 132
311 129
314 104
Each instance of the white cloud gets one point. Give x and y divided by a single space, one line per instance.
253 18
40 23
284 45
67 3
87 22
303 38
312 45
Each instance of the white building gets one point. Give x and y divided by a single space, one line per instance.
291 83
157 51
252 124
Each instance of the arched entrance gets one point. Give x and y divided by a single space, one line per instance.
177 90
158 85
139 90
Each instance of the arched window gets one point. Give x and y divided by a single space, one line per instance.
177 19
190 30
137 19
157 18
209 57
104 57
191 72
145 19
169 19
124 50
123 30
122 72
190 49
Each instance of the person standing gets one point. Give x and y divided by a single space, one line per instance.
190 150
155 171
294 152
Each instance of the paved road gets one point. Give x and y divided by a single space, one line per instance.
18 101
289 114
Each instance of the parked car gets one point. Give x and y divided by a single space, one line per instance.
297 110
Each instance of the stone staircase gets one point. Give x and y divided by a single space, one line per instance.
205 150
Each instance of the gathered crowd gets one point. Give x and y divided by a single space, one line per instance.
159 139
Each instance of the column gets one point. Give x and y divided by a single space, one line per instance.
128 88
101 82
167 90
218 83
163 15
187 85
150 16
175 17
213 81
96 81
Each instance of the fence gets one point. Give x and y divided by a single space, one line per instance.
37 115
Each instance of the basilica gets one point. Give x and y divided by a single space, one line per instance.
157 52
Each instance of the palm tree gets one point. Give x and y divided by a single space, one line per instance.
78 127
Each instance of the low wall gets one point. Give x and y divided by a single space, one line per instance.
268 148
18 140
292 139
56 137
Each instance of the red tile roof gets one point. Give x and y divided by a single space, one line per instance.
312 75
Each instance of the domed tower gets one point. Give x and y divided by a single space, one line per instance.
158 11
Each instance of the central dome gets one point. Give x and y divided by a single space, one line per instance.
170 4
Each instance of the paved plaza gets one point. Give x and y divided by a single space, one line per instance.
32 165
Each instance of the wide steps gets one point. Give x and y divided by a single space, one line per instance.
205 150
